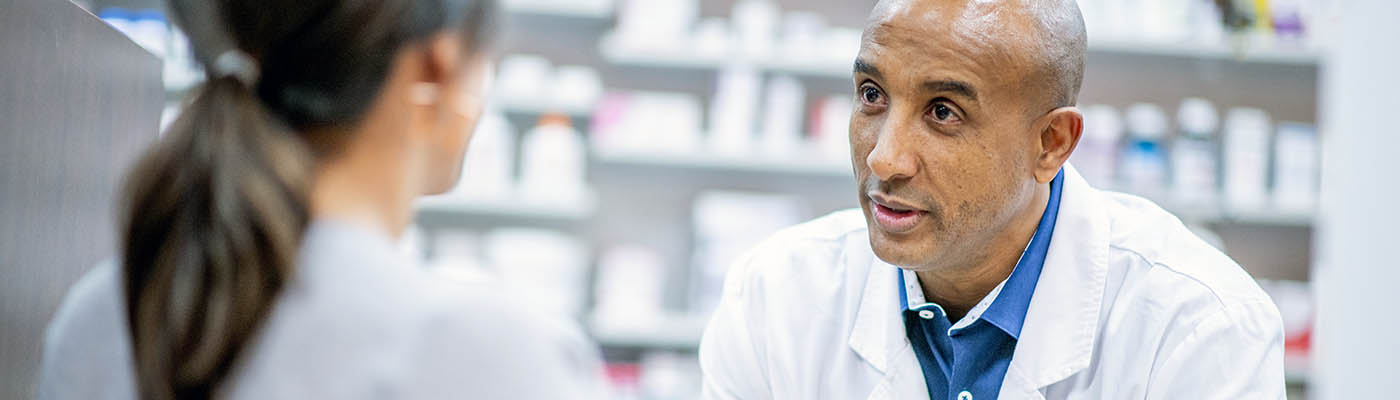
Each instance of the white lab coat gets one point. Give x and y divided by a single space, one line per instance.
1129 305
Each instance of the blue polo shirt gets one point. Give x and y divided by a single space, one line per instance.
967 360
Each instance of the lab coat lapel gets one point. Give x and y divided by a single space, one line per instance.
1057 338
877 333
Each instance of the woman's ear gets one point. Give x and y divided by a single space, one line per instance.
1062 130
444 58
433 74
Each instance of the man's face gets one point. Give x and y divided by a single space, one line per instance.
942 133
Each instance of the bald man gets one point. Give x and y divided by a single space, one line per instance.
980 264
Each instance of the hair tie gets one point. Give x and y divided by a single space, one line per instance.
239 65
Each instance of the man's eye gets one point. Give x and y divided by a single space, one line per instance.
871 95
944 113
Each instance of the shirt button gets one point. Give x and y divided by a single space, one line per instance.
927 314
965 395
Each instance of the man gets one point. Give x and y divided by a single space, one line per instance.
980 265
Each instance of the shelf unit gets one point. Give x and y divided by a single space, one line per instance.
838 170
710 161
594 10
751 171
1263 216
677 59
1222 214
675 333
1297 376
521 107
1278 55
584 10
509 207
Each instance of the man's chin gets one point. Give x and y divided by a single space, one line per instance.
901 251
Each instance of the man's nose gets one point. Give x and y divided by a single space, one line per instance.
892 158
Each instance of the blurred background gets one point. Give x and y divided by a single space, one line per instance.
633 148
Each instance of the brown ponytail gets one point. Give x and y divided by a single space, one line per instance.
214 214
213 226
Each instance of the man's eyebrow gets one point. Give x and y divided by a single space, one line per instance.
862 67
956 87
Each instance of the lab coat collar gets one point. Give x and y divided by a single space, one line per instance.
877 334
1058 336
1057 339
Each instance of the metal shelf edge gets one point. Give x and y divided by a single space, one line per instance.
531 209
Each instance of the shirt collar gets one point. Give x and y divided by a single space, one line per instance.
911 293
1006 305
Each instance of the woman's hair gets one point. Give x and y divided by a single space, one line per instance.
215 212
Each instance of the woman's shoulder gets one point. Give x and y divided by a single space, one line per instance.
449 340
92 298
522 350
412 335
87 341
488 307
344 270
359 304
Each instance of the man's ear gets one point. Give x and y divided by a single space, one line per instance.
1058 137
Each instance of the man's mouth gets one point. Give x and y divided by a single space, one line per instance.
894 215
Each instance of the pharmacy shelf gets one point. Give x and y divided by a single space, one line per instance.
1261 216
672 333
1265 216
599 10
523 208
1297 377
831 70
1221 51
537 108
709 161
679 59
1296 369
670 59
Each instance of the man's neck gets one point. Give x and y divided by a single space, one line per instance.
958 289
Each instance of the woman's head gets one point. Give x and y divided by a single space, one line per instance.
413 69
215 212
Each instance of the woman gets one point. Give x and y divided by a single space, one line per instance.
257 256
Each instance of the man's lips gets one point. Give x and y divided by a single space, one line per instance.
894 215
892 203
